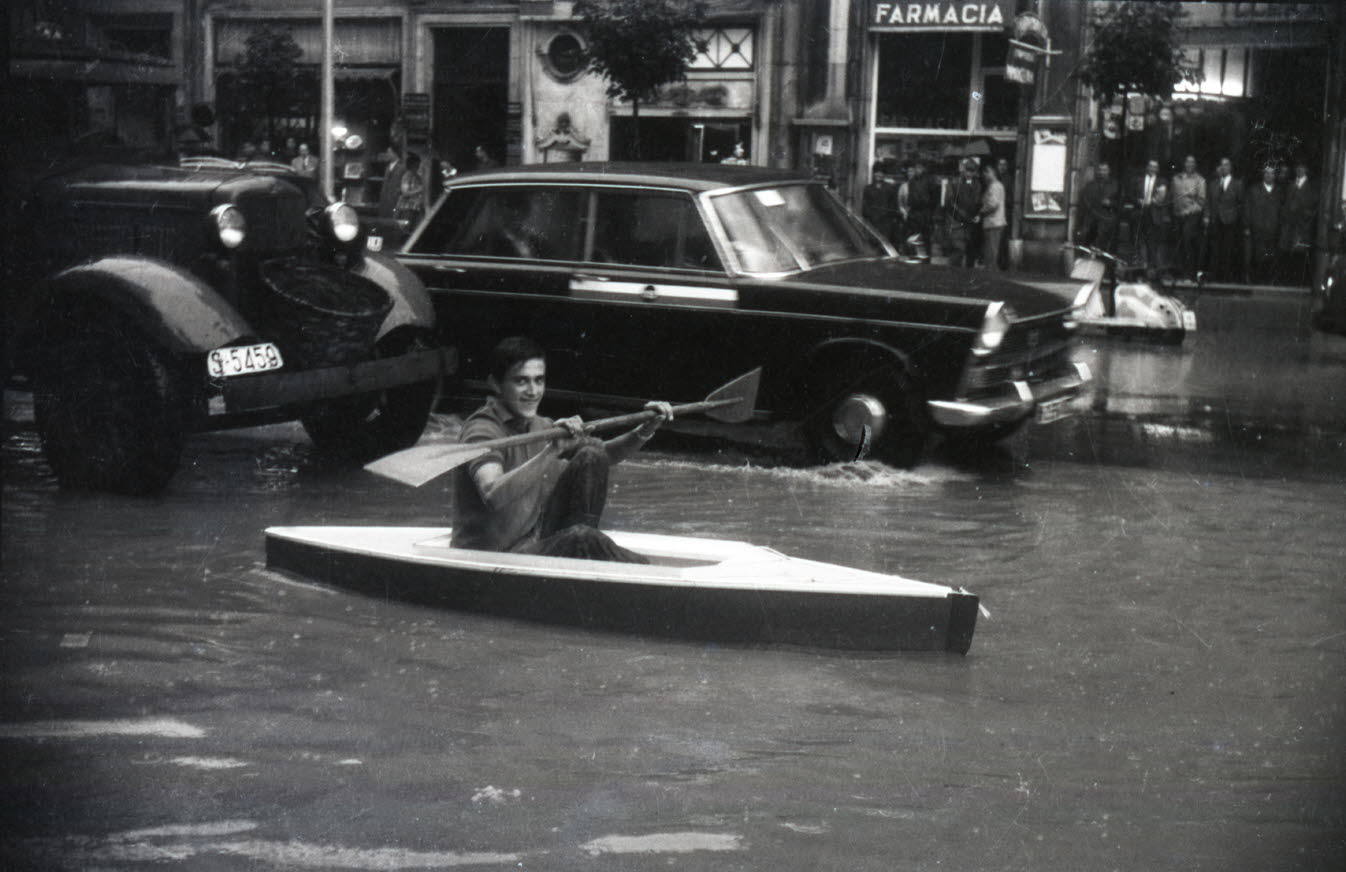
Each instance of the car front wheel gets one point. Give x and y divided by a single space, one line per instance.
880 414
371 425
111 407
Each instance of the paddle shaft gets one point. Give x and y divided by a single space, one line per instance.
631 419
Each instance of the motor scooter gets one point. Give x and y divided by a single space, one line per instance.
1119 299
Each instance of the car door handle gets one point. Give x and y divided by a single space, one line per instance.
586 277
445 268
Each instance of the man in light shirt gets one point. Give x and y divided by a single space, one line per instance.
1189 211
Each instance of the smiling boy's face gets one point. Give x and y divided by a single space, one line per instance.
521 390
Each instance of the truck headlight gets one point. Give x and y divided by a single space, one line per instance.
994 325
342 222
230 226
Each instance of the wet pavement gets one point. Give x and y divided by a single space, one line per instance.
1158 684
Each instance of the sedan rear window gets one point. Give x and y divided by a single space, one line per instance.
790 228
642 228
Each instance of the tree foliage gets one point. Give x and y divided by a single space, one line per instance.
1136 50
272 82
639 46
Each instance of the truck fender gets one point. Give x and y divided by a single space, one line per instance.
173 306
411 301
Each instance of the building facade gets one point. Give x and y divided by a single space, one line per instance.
828 87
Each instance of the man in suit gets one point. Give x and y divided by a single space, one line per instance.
1262 225
1150 214
1224 222
1299 214
1100 197
965 215
922 198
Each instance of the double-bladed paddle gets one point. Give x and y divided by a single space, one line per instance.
732 403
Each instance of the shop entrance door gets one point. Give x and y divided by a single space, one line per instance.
471 94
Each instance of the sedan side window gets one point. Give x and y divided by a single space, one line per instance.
640 228
531 223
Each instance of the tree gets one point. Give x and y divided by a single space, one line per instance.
639 45
1136 50
272 82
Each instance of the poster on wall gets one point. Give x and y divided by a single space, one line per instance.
1047 172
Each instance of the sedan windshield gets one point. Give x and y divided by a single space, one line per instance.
790 228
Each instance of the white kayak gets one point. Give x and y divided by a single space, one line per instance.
703 589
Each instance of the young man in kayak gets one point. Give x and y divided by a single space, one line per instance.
543 497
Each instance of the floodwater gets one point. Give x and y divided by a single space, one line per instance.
1158 685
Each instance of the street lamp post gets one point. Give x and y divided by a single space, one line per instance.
327 112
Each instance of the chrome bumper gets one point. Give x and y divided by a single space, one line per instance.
1010 406
285 388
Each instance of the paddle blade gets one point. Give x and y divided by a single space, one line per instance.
422 463
743 391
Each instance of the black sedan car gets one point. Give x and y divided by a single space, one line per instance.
650 280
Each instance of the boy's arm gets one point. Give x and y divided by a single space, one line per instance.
499 488
621 447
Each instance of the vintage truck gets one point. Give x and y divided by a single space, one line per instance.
146 301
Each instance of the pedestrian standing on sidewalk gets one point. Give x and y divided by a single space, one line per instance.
1224 222
305 163
922 198
1147 215
878 203
411 199
992 217
1262 226
1100 210
1188 195
965 215
1299 218
1006 175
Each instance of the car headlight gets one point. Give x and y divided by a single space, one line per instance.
342 222
230 226
994 325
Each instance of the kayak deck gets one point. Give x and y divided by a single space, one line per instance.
696 588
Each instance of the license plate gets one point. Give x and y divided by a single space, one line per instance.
1189 320
243 360
1054 410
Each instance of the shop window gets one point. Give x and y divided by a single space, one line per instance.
1224 73
999 96
149 35
924 80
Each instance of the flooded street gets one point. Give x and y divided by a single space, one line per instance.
1158 685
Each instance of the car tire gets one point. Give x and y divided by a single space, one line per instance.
111 407
886 401
367 426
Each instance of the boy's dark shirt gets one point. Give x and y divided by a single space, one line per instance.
475 525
